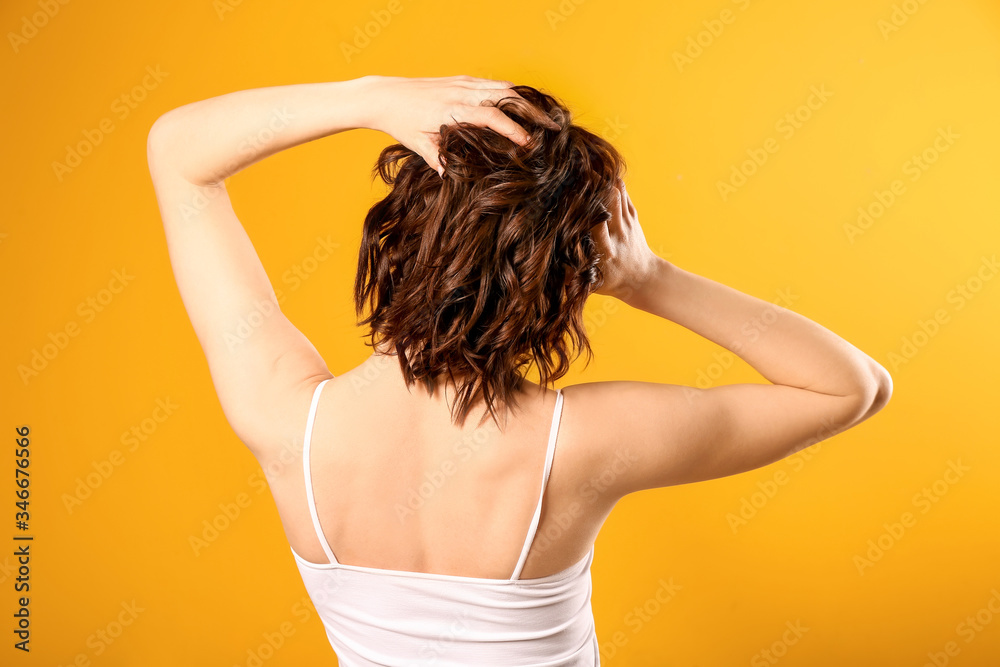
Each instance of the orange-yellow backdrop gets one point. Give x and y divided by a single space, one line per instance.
840 158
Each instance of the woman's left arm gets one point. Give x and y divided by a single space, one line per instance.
259 362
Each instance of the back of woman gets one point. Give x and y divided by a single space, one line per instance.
439 497
439 505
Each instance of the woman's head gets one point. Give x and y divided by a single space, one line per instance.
476 276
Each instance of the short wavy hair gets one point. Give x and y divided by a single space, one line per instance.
479 274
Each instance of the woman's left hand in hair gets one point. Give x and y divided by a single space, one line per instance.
412 110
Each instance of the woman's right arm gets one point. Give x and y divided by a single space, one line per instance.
820 385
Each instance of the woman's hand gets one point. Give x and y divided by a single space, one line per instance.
412 110
626 260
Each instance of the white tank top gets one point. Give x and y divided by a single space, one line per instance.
396 618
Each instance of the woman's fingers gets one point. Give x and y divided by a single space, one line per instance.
477 104
621 210
494 94
498 93
478 82
493 118
492 90
500 122
602 237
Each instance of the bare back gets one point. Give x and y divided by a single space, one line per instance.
399 487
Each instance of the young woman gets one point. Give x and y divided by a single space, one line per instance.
439 506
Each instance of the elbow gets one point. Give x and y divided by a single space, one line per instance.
884 392
882 382
154 140
158 141
876 392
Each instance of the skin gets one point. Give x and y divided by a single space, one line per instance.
375 442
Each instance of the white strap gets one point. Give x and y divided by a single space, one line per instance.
308 474
550 450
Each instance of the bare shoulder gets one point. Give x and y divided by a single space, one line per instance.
591 444
282 410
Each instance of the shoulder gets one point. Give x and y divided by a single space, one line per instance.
606 424
281 411
585 429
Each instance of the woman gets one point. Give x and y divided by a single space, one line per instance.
422 534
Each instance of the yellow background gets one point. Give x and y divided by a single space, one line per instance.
682 128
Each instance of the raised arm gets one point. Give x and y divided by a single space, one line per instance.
260 364
255 355
820 385
208 141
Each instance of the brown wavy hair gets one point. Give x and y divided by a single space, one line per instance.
484 272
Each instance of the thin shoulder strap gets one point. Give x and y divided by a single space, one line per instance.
310 499
550 450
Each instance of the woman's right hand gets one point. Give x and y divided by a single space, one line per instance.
626 260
